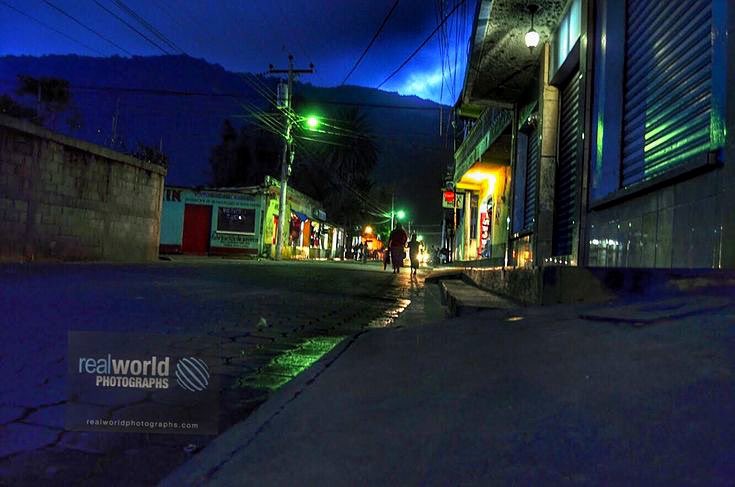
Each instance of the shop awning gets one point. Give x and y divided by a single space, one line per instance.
300 215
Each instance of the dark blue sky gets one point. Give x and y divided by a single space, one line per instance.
250 35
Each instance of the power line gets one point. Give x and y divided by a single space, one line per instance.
421 46
150 41
375 36
168 92
122 6
66 14
52 28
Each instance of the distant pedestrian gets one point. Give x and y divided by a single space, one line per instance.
386 258
397 243
413 252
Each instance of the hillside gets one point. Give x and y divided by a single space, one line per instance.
180 103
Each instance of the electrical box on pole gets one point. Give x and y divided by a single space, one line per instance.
284 102
282 95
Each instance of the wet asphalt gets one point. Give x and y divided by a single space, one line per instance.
271 320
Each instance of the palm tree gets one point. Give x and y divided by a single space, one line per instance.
350 150
335 164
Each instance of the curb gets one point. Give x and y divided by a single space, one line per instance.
201 468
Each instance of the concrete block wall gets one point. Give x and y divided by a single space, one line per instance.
65 199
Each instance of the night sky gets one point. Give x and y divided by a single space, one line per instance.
250 35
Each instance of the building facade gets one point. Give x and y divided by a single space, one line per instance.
244 221
607 145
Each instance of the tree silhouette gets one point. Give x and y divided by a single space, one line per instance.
244 158
10 107
334 164
52 94
151 154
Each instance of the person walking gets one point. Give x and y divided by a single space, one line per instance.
396 243
413 252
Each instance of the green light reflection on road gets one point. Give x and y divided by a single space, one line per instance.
284 367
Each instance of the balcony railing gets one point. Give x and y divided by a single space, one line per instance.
491 124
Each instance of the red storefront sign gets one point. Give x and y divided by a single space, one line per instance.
448 199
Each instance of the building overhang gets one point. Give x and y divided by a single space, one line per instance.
489 144
501 68
480 177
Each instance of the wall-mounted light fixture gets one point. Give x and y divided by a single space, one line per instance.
532 37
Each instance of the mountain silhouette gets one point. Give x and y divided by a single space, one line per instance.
180 104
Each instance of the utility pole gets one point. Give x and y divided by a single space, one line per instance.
115 118
288 153
392 210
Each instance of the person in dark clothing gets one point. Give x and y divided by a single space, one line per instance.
396 243
386 257
413 252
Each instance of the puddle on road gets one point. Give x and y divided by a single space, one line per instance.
287 365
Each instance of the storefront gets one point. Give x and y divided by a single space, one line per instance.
309 235
481 180
211 222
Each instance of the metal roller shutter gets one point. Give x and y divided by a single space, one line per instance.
529 206
566 171
668 85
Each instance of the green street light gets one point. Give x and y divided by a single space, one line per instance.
420 238
400 214
312 122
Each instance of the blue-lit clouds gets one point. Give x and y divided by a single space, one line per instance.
248 36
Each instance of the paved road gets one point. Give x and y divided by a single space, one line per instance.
272 320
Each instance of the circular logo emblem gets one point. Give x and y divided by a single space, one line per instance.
192 374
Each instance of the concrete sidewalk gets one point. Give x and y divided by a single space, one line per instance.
529 396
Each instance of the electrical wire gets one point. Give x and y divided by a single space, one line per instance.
370 44
421 46
150 41
66 14
2 2
133 14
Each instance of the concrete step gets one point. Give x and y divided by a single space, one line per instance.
461 298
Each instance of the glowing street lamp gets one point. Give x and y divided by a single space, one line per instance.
420 238
532 37
312 122
368 230
400 214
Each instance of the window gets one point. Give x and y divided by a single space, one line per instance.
567 33
236 220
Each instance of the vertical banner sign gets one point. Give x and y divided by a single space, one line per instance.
484 233
149 383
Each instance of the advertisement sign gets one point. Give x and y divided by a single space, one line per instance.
451 199
484 233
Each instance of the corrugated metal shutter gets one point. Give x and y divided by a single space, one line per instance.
668 85
566 171
529 206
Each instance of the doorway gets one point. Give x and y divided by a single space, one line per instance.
197 226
